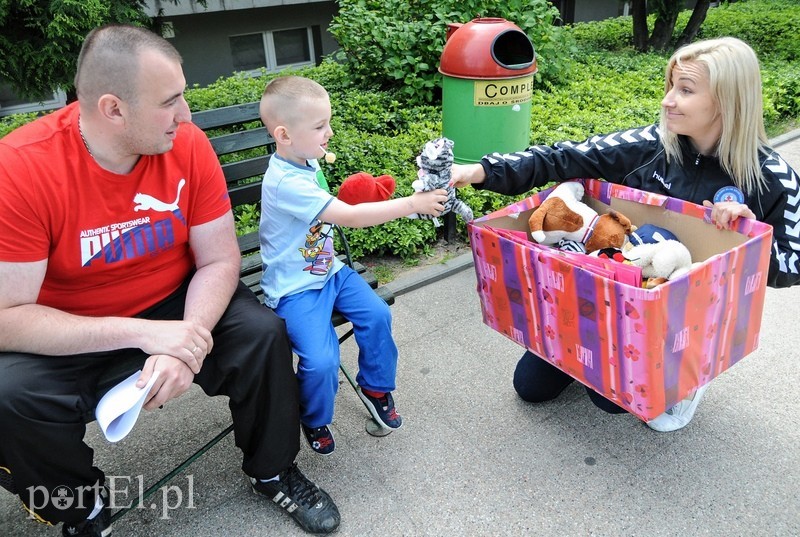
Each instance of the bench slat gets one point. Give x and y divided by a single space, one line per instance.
244 194
239 141
226 116
245 169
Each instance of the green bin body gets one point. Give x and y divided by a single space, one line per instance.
487 66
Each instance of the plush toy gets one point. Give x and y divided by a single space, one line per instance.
660 261
563 216
648 234
362 187
435 163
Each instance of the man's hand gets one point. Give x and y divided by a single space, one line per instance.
725 213
174 378
184 340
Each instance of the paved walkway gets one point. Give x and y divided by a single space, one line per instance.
473 459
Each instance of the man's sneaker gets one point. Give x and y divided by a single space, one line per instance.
309 505
678 416
99 526
6 481
382 409
320 439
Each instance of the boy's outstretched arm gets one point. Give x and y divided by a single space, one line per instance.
379 212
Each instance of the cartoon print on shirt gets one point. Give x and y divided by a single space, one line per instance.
318 250
146 202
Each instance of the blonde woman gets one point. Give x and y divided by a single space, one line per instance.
709 148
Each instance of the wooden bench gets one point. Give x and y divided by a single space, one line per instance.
233 130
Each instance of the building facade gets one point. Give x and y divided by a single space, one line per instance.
245 35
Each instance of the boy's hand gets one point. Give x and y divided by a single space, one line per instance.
430 202
725 213
467 174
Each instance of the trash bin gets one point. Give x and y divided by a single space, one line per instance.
488 66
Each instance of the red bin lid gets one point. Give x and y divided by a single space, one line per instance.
487 48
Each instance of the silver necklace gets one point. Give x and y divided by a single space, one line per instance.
85 143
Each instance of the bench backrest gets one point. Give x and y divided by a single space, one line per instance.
244 147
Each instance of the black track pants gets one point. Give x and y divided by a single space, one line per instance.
45 402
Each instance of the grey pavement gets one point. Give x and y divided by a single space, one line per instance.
473 459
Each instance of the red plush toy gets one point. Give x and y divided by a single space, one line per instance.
362 187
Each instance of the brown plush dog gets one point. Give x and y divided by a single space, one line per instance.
562 216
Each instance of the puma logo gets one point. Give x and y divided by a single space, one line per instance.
145 202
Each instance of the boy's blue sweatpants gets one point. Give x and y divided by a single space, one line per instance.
314 340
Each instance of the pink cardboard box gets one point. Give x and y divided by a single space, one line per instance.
644 349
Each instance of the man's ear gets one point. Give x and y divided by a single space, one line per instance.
281 135
111 107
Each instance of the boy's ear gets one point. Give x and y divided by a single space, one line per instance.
281 135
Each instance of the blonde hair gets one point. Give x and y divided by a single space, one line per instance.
282 100
735 81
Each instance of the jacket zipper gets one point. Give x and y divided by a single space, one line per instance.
695 179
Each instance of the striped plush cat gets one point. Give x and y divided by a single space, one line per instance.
435 162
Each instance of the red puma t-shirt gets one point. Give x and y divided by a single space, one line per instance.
115 244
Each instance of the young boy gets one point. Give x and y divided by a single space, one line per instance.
303 281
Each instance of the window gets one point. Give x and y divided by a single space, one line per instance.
273 50
10 103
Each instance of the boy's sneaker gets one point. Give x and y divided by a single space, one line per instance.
99 526
309 505
382 409
320 439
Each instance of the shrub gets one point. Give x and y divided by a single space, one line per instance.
770 27
9 123
398 43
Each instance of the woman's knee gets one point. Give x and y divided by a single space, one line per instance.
536 381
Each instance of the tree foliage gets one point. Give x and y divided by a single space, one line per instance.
40 39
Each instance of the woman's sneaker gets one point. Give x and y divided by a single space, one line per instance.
320 439
306 503
382 409
680 415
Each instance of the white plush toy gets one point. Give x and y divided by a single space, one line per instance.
664 260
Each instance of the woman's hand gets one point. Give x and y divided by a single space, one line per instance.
467 174
725 213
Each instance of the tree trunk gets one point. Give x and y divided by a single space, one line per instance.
694 24
666 15
639 14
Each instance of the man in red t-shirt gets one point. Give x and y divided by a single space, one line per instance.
117 243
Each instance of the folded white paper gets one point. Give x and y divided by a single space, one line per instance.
119 409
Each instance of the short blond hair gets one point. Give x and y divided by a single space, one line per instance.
283 98
735 81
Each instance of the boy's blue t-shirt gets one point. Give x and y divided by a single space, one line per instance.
296 248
